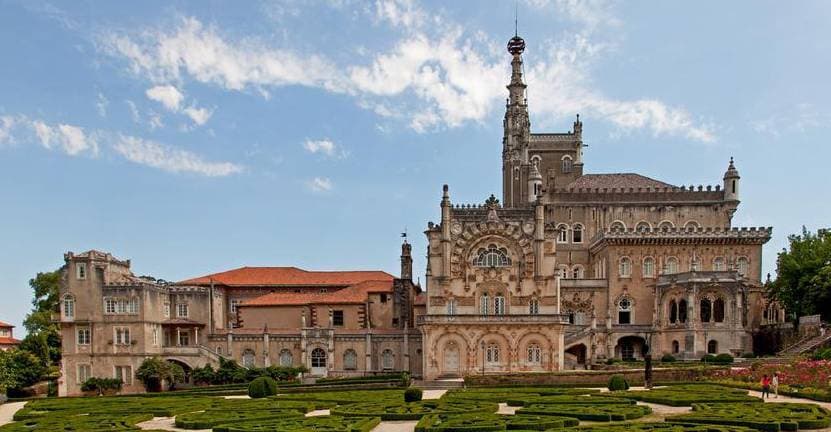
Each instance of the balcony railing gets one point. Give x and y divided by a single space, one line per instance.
490 319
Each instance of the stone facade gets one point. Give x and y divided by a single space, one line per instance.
572 268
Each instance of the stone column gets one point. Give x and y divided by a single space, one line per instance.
266 349
178 338
230 342
561 349
406 351
368 352
196 336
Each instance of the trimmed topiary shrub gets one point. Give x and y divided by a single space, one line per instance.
262 387
708 358
668 358
723 359
412 395
618 383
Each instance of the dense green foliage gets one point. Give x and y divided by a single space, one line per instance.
771 417
591 412
45 302
490 422
565 400
102 385
262 387
304 424
668 358
686 395
392 410
19 369
154 371
662 427
618 382
230 372
803 275
412 395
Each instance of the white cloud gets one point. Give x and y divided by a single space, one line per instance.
320 184
157 155
436 75
101 104
70 139
324 146
167 95
797 119
75 141
199 116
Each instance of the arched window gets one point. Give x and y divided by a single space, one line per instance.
567 164
577 272
682 311
219 350
625 267
672 265
624 311
617 226
499 305
562 233
712 347
742 266
533 307
483 304
673 311
68 307
286 359
691 225
350 359
706 310
666 225
387 359
718 310
676 347
718 264
643 227
577 234
492 257
318 358
534 354
563 272
492 353
451 306
648 267
248 358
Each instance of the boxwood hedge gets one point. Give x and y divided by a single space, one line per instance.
395 410
686 395
771 417
567 400
595 412
490 422
297 424
211 418
661 427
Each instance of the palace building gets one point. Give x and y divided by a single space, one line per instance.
567 269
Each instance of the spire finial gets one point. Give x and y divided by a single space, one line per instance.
516 18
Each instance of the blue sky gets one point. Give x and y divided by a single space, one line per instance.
198 137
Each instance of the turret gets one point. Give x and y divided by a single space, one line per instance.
406 261
534 183
731 183
517 132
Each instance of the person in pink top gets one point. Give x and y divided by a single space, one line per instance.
765 386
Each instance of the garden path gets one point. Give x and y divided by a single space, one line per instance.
166 424
782 398
7 411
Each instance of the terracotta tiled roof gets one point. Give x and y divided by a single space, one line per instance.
617 180
9 341
354 294
4 324
292 276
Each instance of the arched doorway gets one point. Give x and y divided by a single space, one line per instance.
578 351
450 365
630 348
187 379
318 362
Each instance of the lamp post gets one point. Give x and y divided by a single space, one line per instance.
482 346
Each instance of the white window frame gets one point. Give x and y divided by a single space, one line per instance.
80 270
182 307
451 306
83 336
122 336
534 307
110 306
534 354
69 307
562 234
484 304
119 372
499 305
235 305
84 372
648 267
492 354
625 267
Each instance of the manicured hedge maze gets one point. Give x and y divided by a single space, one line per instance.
771 417
211 418
686 395
567 400
502 394
490 422
304 424
78 423
594 412
400 410
342 397
661 427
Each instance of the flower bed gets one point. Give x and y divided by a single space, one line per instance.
771 417
686 395
393 410
304 424
594 412
491 422
800 373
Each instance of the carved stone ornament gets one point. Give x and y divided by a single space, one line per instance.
578 304
528 228
456 228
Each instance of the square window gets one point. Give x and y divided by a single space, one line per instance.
84 373
84 336
337 318
125 374
81 270
182 310
383 298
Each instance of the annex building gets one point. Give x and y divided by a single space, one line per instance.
568 268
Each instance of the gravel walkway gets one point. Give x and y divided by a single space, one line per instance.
167 424
7 411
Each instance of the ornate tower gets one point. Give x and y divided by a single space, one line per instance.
731 183
406 261
517 131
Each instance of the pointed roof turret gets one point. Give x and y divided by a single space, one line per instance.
732 172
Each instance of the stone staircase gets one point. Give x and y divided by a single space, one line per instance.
806 344
573 337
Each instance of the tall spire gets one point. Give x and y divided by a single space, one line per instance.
517 131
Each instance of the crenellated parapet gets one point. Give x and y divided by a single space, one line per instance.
700 193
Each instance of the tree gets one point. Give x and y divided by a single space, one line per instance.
19 369
803 275
46 287
154 371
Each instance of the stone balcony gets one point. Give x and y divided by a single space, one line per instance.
493 319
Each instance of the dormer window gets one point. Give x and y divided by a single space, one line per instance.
81 270
492 257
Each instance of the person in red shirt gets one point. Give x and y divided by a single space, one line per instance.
765 386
